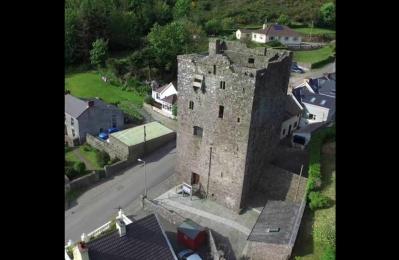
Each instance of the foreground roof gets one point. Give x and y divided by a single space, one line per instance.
135 135
276 215
144 239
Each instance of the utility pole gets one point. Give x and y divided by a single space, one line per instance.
209 171
297 188
144 150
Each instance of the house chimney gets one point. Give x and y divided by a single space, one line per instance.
90 103
264 26
120 225
81 252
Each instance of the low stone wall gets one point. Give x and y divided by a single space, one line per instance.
167 214
84 181
212 246
265 251
117 167
170 123
99 145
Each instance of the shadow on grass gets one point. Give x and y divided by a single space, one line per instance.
304 241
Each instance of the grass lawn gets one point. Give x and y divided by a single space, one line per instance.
90 156
89 85
318 227
313 55
71 157
315 31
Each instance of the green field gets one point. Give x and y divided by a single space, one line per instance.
315 31
89 85
313 55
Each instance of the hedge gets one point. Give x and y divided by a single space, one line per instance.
322 62
317 140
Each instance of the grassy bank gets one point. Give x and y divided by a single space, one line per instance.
313 56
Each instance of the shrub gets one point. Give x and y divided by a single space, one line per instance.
70 172
275 43
321 63
328 254
102 158
317 200
87 148
79 167
149 100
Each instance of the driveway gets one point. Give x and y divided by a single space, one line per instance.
99 204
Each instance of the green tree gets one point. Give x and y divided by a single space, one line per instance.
283 19
213 26
99 53
102 158
227 23
327 15
174 110
168 41
79 167
181 9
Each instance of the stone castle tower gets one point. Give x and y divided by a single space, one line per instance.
230 108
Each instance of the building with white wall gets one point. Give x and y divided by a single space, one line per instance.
317 96
166 97
271 32
292 116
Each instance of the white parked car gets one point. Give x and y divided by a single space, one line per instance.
188 254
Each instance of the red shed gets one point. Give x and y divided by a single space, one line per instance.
191 234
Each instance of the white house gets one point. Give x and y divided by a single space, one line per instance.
293 113
243 34
317 96
272 32
165 97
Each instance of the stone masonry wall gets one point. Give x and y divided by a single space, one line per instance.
232 136
227 137
267 117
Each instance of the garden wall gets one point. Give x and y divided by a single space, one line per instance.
167 214
170 123
117 167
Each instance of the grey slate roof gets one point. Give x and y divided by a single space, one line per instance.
291 107
144 239
278 30
170 99
74 106
324 95
276 214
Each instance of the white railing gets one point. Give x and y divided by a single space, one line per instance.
126 220
99 230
